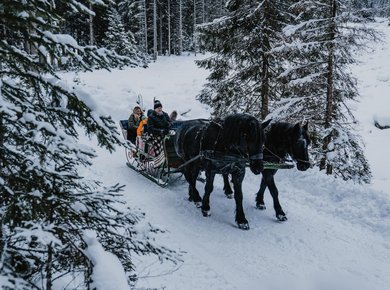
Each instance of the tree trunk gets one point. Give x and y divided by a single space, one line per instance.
91 34
2 132
265 89
2 245
169 27
145 21
180 28
49 278
194 32
203 12
265 67
325 164
155 29
161 51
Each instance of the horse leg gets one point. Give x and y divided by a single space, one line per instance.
237 185
269 178
207 191
191 174
260 194
226 186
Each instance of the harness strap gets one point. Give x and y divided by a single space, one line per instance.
284 159
258 156
220 156
188 162
274 154
303 161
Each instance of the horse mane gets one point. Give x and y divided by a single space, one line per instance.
278 130
278 137
238 124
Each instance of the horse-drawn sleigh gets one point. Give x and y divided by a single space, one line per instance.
142 158
223 146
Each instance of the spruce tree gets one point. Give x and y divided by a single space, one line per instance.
120 40
45 203
320 85
133 15
244 65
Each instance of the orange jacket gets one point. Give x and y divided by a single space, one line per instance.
140 128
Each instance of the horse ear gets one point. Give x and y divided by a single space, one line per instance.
266 123
305 127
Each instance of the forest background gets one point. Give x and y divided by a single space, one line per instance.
285 60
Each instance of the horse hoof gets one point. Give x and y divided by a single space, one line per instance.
243 226
281 217
206 213
261 206
229 195
198 204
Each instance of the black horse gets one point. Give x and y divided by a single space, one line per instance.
281 139
220 146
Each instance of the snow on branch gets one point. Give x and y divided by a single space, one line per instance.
382 123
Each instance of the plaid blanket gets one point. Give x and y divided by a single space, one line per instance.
156 148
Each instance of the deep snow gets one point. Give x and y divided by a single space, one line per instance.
337 233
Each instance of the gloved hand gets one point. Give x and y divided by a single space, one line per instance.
166 131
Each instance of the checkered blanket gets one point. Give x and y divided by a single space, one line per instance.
158 150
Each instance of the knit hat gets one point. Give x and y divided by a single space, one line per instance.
157 104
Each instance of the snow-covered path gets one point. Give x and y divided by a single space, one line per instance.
337 236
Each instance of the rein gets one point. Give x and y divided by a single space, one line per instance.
284 159
275 155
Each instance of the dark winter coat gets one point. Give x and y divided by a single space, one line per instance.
134 121
159 124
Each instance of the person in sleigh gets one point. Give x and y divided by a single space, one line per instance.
158 126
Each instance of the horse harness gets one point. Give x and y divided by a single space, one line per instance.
223 163
284 159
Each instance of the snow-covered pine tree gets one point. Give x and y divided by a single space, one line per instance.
120 40
244 66
133 13
320 85
214 9
84 28
45 204
370 8
199 17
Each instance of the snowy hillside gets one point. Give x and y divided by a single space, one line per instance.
337 235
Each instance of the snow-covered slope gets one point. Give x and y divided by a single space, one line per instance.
374 86
337 235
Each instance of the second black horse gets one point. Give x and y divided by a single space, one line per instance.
282 140
220 146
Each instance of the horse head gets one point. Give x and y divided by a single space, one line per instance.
299 147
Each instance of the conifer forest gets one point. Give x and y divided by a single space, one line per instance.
285 60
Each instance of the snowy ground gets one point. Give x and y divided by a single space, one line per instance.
337 236
374 86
